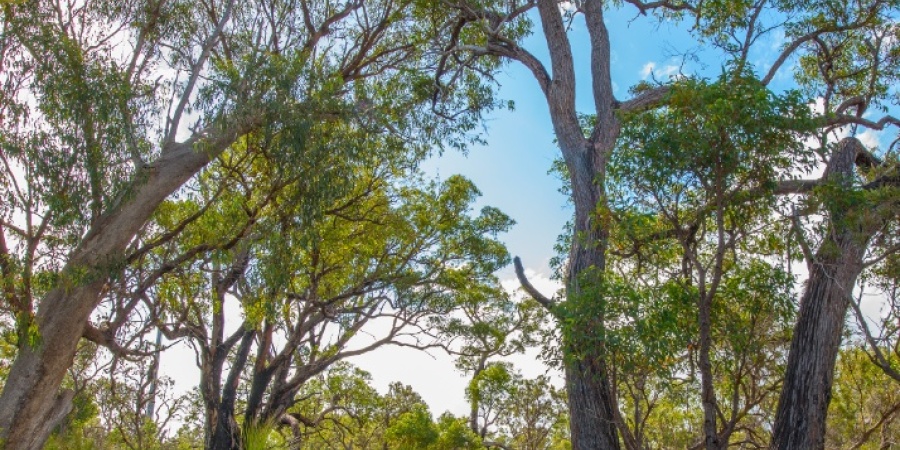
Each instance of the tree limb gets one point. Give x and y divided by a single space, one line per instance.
547 303
645 100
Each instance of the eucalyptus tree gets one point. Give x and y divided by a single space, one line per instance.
511 411
535 416
311 275
865 405
733 141
340 409
110 107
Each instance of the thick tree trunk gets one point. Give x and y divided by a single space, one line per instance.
225 434
32 388
803 405
591 420
592 405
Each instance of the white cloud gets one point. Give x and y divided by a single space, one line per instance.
647 69
565 7
870 138
667 71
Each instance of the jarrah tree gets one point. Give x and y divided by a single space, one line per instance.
839 47
695 214
590 396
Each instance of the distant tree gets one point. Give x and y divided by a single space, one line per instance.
864 411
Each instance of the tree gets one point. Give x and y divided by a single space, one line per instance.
489 325
107 136
702 172
864 408
308 279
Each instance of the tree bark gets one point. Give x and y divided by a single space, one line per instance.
803 405
226 434
31 390
590 403
708 392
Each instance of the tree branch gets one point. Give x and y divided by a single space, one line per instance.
790 49
846 119
643 7
195 71
645 100
547 303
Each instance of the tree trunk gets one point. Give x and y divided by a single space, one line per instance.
32 388
590 404
226 434
708 392
803 405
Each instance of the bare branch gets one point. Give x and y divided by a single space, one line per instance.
196 69
104 338
846 119
547 303
876 354
643 7
787 187
790 49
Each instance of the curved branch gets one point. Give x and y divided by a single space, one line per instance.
104 338
547 303
790 49
846 119
672 6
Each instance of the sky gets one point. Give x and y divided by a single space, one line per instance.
511 170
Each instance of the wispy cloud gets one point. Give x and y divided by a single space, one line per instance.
651 69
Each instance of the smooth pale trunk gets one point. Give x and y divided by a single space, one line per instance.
31 396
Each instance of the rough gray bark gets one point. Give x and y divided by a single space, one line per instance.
803 405
31 390
591 404
707 390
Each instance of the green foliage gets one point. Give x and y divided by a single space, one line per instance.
416 430
413 430
864 404
732 138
